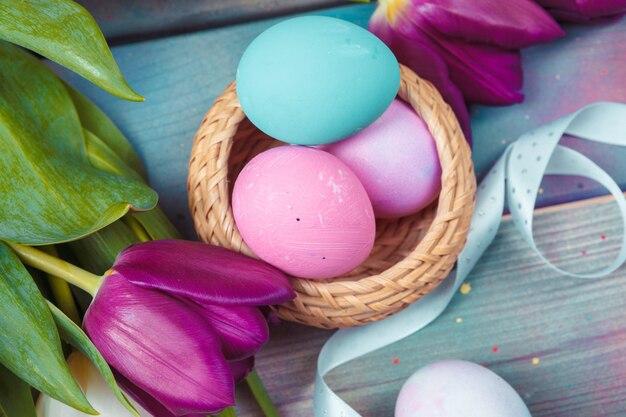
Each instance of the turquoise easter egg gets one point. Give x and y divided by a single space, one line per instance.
313 80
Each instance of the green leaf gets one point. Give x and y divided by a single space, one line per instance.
30 345
60 290
49 192
102 157
73 335
95 121
15 397
97 252
156 224
64 32
39 278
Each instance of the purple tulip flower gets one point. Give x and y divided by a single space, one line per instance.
581 11
179 323
467 49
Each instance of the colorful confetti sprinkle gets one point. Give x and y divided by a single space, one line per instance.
535 361
459 320
495 349
584 252
603 237
465 288
396 361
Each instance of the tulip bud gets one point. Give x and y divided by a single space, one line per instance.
179 323
467 49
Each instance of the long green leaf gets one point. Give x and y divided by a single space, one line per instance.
30 345
102 157
154 222
95 121
97 252
15 397
60 290
64 32
73 335
49 192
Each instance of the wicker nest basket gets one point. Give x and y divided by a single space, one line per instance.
411 255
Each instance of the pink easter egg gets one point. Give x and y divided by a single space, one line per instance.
304 211
396 160
458 389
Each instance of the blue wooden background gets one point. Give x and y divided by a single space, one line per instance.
127 21
518 310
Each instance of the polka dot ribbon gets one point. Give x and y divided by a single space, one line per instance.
513 182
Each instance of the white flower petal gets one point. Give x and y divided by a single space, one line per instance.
96 389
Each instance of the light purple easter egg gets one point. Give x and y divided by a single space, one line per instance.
304 211
396 160
458 389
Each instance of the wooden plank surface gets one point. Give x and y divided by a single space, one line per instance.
518 309
180 77
125 21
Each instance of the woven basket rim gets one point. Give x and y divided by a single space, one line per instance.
344 301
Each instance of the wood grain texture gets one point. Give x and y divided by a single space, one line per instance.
180 76
575 328
124 21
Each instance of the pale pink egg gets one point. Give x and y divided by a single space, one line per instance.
396 160
304 211
458 389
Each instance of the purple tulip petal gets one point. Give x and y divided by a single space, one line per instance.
203 273
160 344
583 10
573 16
475 41
146 401
601 8
417 53
242 330
240 369
151 405
569 16
512 24
484 74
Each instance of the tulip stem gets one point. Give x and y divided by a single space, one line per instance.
260 394
137 228
57 267
228 412
62 294
61 291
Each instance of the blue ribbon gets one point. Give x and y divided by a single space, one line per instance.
513 181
